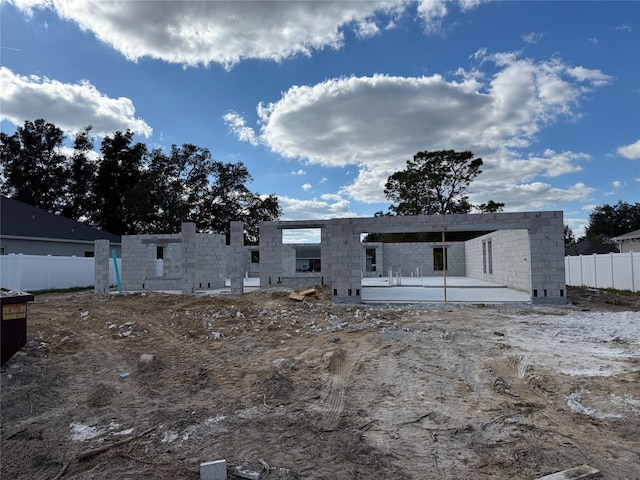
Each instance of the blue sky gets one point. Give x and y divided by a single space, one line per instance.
324 100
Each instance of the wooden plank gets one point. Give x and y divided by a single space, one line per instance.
296 296
583 471
310 291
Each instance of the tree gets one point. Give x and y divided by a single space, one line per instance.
433 183
34 169
491 207
119 195
188 185
569 237
81 176
614 220
230 199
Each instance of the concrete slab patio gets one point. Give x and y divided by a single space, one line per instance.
431 290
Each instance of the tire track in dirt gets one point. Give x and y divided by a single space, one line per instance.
540 411
331 403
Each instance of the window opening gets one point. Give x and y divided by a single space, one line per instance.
490 256
484 257
439 259
370 256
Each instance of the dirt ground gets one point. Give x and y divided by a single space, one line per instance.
314 390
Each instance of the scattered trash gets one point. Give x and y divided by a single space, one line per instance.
213 470
243 472
84 314
124 375
583 471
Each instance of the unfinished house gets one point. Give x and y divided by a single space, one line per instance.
522 251
519 251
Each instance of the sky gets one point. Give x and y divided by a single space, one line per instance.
322 101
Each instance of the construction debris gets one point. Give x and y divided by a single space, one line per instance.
583 471
300 296
213 470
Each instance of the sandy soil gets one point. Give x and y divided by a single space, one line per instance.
320 391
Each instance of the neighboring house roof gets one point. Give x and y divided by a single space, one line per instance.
18 219
627 236
589 246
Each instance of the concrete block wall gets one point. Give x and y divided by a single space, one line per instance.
546 237
342 250
288 260
191 261
101 266
345 257
270 253
510 262
237 258
406 257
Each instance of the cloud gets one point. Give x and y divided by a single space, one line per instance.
326 207
70 107
624 27
306 187
195 33
533 37
376 123
595 77
632 152
225 32
298 172
237 125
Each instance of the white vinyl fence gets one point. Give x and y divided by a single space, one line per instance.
609 270
44 272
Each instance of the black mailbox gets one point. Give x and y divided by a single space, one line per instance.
13 317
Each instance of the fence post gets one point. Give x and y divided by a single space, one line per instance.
613 284
581 276
633 277
18 271
595 270
73 270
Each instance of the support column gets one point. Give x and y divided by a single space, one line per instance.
346 266
546 238
270 254
237 257
189 259
101 266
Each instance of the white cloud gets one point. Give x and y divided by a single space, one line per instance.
533 37
237 125
224 32
589 207
616 184
632 152
327 206
625 27
194 33
377 123
306 187
596 77
298 172
432 13
70 107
